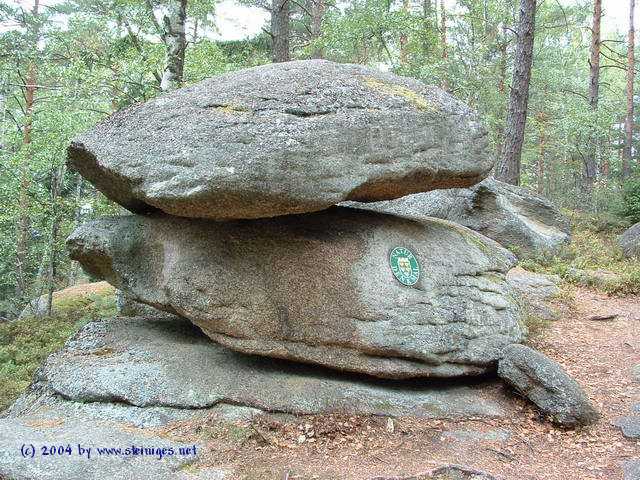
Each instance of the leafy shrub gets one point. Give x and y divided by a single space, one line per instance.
631 201
592 259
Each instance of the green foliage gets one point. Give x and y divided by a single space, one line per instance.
631 201
106 56
25 343
592 259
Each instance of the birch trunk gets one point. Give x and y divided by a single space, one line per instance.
173 37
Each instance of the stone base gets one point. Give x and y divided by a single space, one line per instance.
119 379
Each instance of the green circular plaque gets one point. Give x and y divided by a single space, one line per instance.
404 265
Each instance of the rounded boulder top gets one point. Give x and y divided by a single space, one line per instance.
283 139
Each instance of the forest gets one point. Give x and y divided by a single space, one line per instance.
555 91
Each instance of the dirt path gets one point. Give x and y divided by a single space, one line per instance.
599 354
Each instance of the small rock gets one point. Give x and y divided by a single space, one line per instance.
607 317
472 436
390 425
458 472
446 472
635 373
546 384
630 426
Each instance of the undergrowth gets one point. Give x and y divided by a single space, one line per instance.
593 258
25 343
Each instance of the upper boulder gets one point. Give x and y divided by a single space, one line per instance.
518 219
283 139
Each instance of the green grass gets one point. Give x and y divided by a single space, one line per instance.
25 343
593 248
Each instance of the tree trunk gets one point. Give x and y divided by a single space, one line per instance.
73 271
628 124
317 9
173 37
24 222
542 145
404 38
508 169
56 182
502 88
427 25
280 31
443 41
590 165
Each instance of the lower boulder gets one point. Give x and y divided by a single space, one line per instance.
546 384
168 363
122 383
518 219
328 288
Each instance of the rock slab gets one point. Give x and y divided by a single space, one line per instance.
120 382
169 363
518 219
283 138
546 384
318 288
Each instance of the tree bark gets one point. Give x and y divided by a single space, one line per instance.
280 31
502 88
404 38
542 145
628 124
174 39
508 169
443 41
317 9
24 221
56 182
427 25
73 271
590 165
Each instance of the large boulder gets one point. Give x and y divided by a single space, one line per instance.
630 241
518 219
546 384
319 288
282 139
